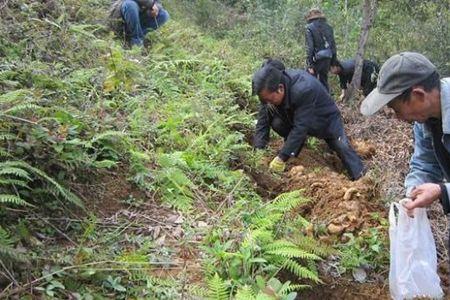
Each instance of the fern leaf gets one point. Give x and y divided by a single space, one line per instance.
197 291
280 244
13 199
217 288
62 192
12 254
6 249
293 253
3 153
21 107
264 220
262 235
16 182
7 136
300 271
293 288
288 201
13 96
16 172
4 237
109 134
245 293
310 244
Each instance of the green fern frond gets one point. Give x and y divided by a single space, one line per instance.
10 170
7 136
13 96
13 199
300 271
264 220
4 237
217 288
293 253
62 192
6 250
314 246
160 281
16 182
197 291
21 107
293 288
288 201
109 134
178 201
12 254
3 153
278 244
245 293
262 235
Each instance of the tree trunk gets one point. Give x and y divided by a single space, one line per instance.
369 13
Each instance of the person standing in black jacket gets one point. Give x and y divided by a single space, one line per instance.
346 69
295 105
320 46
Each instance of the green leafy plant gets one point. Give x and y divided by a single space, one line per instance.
368 248
266 247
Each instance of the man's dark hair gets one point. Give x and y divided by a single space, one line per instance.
337 63
146 4
269 76
274 63
431 82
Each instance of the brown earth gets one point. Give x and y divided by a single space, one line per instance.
385 144
348 291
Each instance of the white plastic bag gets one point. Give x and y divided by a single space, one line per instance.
413 269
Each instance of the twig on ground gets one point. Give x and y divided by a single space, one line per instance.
60 232
8 273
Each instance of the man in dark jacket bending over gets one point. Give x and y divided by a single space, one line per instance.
320 46
296 105
345 70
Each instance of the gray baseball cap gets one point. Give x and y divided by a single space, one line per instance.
398 73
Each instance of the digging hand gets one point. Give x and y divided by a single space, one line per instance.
422 196
154 11
277 165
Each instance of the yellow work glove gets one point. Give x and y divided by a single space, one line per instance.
277 165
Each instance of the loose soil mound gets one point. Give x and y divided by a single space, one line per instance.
339 203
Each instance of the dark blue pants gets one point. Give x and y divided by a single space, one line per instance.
138 23
339 143
321 69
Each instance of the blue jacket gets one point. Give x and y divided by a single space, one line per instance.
431 158
307 108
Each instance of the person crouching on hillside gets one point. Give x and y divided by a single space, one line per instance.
295 104
345 70
138 17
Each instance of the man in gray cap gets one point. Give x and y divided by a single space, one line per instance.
409 84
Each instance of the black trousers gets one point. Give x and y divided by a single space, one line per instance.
321 69
340 144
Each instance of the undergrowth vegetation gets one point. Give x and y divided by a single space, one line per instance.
125 173
76 107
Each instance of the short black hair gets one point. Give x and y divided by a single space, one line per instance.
269 76
274 63
336 63
431 82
